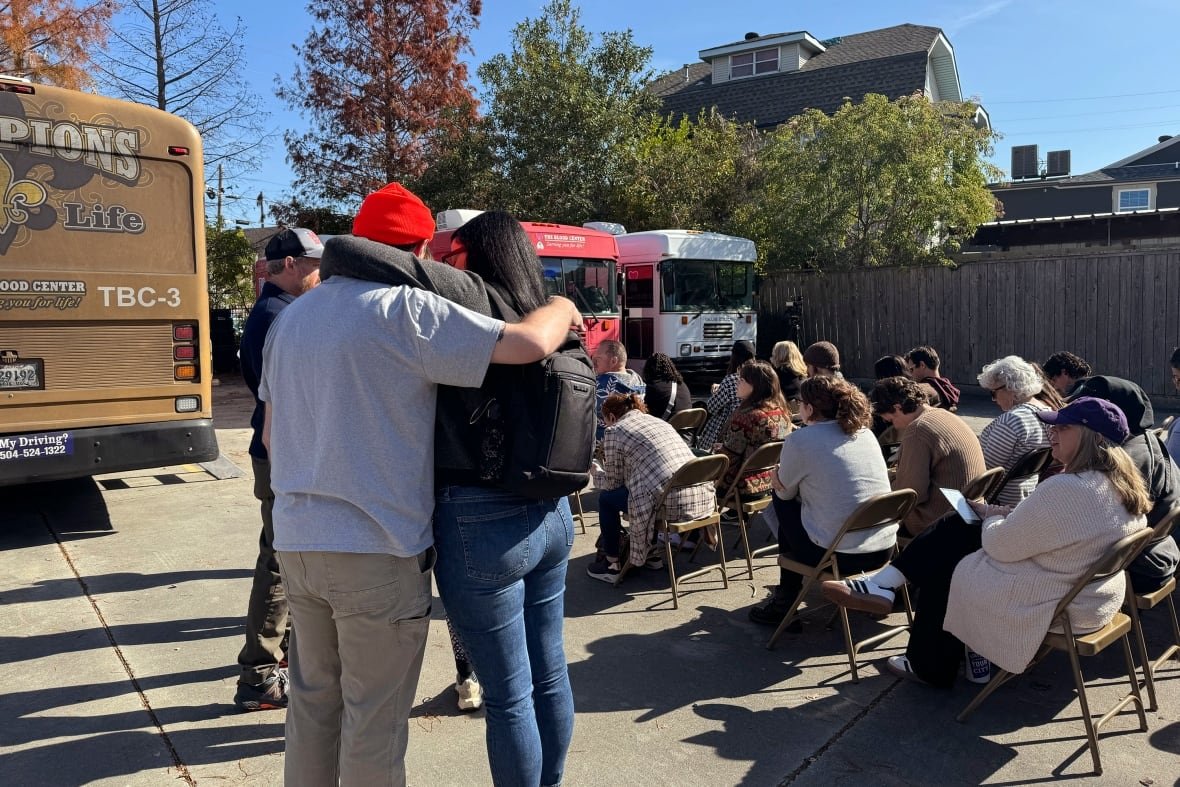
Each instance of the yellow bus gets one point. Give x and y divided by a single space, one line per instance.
104 304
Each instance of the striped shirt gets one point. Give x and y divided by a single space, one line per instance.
1008 438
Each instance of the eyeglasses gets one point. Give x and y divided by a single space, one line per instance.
995 391
450 255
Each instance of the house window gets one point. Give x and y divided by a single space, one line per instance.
764 61
1134 199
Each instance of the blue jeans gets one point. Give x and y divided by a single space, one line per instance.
611 505
501 574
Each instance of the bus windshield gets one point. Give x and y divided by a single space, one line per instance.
707 285
590 284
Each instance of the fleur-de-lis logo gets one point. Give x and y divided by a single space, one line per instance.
18 197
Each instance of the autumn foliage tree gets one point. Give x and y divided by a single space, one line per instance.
52 40
377 79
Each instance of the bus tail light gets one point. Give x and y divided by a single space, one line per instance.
749 319
186 371
684 319
184 352
184 332
177 150
188 404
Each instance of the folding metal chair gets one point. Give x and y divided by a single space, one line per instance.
1115 561
701 470
1028 466
1146 601
581 515
765 458
688 423
984 485
887 509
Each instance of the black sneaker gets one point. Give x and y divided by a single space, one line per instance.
604 570
655 558
271 694
771 614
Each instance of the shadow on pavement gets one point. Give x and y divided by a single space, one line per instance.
121 582
15 649
28 507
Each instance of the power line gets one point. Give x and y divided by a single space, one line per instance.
1156 124
1090 114
1080 98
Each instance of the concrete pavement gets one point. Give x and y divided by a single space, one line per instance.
121 617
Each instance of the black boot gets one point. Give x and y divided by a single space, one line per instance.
773 611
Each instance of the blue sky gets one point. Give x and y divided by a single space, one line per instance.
1091 76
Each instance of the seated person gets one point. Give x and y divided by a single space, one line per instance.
1015 387
1065 370
822 358
640 453
1172 439
1157 563
788 363
667 393
761 417
825 471
724 399
994 585
613 376
938 448
922 364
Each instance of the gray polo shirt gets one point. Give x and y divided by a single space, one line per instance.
351 371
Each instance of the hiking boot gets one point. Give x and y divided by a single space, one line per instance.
606 570
470 693
271 694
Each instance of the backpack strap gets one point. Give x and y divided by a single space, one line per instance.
671 403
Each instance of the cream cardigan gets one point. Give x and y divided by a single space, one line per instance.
1002 597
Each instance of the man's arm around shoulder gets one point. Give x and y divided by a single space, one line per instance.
541 332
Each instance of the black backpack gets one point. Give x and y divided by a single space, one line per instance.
536 421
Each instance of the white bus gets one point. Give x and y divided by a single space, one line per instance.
688 294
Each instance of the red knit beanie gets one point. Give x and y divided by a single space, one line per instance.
394 216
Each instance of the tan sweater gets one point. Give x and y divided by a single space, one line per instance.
1002 597
938 449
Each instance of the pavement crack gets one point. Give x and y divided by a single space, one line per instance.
814 757
181 768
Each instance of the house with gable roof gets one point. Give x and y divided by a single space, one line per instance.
1148 180
768 79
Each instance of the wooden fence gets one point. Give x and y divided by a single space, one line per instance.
1119 311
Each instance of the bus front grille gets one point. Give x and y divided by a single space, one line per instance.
86 355
718 330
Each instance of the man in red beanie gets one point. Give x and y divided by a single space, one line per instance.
350 378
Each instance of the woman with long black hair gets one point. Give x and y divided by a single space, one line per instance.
502 557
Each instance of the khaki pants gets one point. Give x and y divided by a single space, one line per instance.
266 612
357 642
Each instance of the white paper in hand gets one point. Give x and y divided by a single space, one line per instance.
960 504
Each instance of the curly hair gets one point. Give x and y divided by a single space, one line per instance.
617 405
837 400
660 367
1067 362
1014 373
903 392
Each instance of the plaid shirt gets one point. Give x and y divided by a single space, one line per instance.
641 452
721 406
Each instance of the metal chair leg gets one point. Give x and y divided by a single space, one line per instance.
1141 642
1075 667
581 511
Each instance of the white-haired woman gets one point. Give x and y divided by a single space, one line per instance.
1015 386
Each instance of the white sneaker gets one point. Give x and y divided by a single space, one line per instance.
470 693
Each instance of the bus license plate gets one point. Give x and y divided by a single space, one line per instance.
22 375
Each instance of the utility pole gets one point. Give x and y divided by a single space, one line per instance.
261 213
219 192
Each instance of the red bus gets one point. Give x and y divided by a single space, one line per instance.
579 263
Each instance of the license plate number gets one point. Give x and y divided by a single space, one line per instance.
21 375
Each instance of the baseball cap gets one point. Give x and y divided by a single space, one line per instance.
1096 414
294 242
395 216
